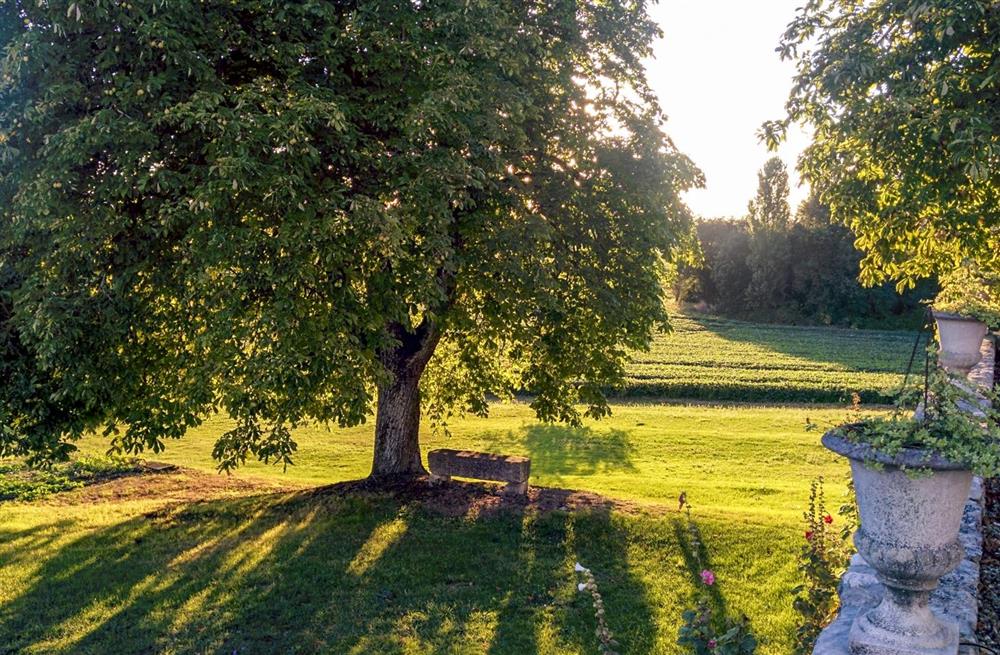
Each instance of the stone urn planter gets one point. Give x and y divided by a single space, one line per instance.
960 337
909 535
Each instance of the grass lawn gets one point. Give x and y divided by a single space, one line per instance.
725 457
273 561
211 566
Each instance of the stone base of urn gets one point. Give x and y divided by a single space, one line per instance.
904 623
866 639
909 536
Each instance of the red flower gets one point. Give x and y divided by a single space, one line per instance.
828 519
809 535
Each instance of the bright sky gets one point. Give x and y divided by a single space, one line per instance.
718 78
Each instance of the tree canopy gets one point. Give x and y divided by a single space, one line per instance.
281 211
903 97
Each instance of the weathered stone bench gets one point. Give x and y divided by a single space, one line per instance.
512 469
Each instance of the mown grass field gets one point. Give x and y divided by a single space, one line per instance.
718 359
725 457
265 571
267 562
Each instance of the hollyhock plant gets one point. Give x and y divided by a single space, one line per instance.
823 557
607 645
708 577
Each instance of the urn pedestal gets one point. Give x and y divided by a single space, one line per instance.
909 535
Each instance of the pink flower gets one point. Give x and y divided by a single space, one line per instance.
712 644
708 577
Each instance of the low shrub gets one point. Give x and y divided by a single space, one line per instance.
21 482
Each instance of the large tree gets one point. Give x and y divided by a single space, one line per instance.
903 97
301 211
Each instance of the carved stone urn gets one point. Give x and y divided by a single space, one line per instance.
960 338
909 535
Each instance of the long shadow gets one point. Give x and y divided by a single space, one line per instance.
604 549
696 559
18 546
549 547
134 571
324 572
852 349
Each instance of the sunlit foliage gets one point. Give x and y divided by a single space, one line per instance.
901 96
262 207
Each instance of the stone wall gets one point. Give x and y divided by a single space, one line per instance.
957 595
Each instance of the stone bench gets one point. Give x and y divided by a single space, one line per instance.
445 463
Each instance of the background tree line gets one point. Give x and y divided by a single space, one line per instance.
775 266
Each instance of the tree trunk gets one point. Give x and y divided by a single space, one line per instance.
397 424
397 416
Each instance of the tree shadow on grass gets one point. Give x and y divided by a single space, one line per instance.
849 349
16 543
322 571
566 450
